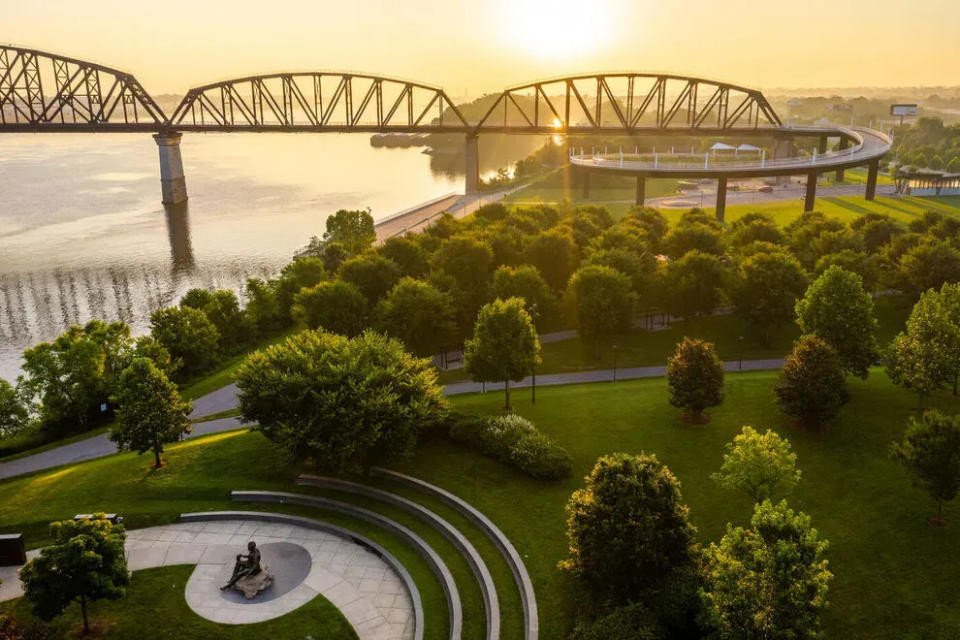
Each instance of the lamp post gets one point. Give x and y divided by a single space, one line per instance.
740 356
614 363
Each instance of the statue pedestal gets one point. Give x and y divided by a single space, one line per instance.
252 586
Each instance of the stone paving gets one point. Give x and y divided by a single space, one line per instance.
360 584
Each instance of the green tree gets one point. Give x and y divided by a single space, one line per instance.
768 582
858 262
936 163
85 563
919 160
929 265
188 335
766 289
695 236
372 274
627 529
954 165
631 622
504 346
353 229
233 326
760 465
333 255
14 413
837 309
812 385
150 412
930 452
336 306
756 227
419 315
297 275
74 375
196 298
410 257
639 267
469 262
527 283
263 309
925 357
603 300
148 347
338 401
695 378
555 255
695 284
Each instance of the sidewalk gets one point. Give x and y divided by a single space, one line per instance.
225 399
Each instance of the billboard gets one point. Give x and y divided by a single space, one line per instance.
904 110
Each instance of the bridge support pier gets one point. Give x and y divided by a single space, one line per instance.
586 184
173 185
641 190
844 143
872 170
782 148
822 145
472 168
721 198
811 198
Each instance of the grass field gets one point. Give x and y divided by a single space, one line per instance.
892 576
154 607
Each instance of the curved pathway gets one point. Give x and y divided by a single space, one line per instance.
225 399
371 596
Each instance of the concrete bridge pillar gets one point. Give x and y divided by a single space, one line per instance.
472 168
782 148
641 190
810 199
872 170
173 185
844 143
721 198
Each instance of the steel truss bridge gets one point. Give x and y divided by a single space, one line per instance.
42 92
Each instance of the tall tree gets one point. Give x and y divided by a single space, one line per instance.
336 306
14 413
695 378
760 465
407 255
695 283
338 401
188 335
603 299
766 290
150 412
372 274
234 327
555 255
86 562
301 273
838 310
353 229
812 386
768 582
419 315
504 346
627 528
527 283
929 265
930 452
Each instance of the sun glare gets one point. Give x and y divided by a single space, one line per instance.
557 29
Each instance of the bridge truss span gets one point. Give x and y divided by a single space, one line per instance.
42 91
318 102
630 103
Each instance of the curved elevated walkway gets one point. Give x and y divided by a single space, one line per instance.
509 552
867 145
451 533
437 565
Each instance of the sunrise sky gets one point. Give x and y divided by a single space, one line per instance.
486 45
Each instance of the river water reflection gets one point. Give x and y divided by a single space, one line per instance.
83 234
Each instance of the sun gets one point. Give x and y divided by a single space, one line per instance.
557 29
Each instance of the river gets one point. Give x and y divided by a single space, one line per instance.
83 233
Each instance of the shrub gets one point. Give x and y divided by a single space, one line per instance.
695 378
512 440
812 386
632 622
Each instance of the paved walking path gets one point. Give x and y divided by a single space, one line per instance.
225 399
371 596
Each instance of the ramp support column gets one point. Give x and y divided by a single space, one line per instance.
173 185
472 168
721 197
641 190
872 169
811 197
844 143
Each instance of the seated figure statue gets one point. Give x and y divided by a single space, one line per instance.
249 575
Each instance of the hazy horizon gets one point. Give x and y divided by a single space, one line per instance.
475 48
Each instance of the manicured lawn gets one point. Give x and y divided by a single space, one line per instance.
154 607
641 348
894 575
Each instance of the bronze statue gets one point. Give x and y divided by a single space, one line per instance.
246 566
